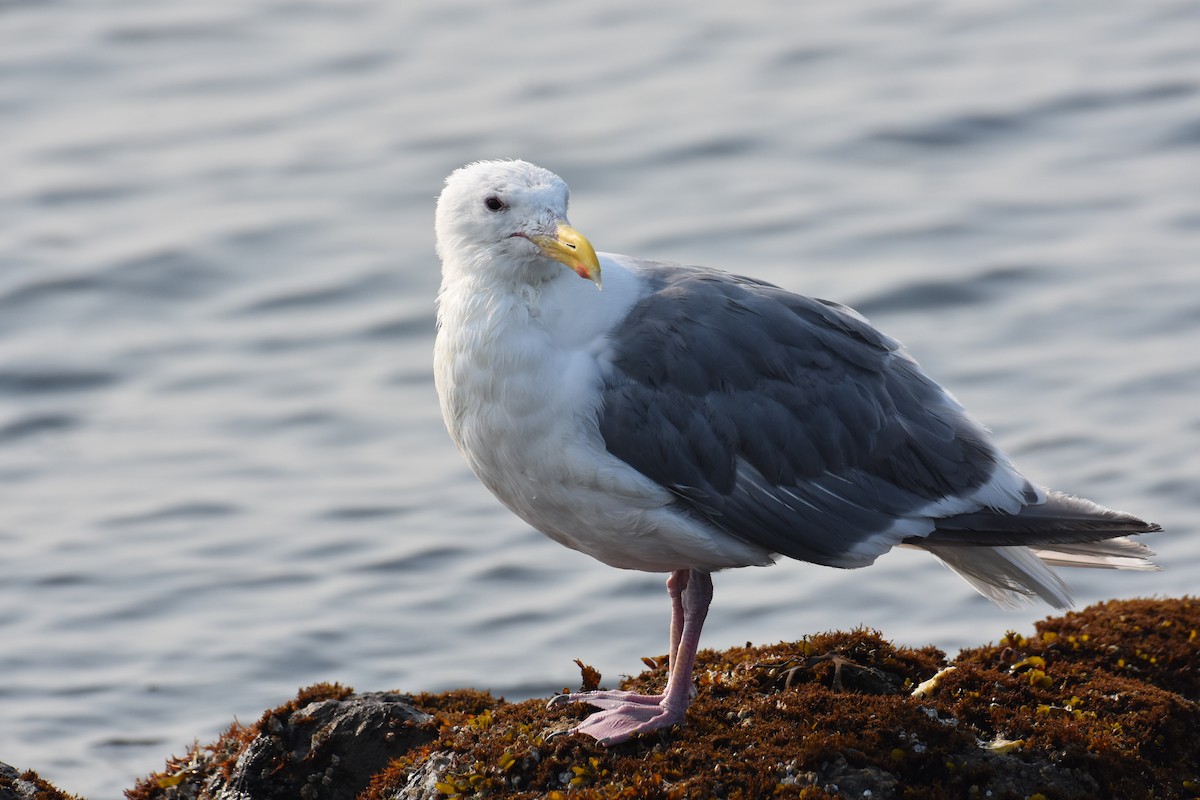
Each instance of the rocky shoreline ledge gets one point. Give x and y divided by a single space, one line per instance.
1099 703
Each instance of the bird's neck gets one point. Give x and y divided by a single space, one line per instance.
497 272
562 310
481 306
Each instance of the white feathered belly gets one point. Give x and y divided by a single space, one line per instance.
525 417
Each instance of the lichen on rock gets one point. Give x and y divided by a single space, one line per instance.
1099 703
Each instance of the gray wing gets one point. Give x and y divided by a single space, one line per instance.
786 421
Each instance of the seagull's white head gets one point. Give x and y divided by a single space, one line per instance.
507 220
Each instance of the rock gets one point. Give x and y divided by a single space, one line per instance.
16 785
326 750
422 783
13 786
327 744
871 782
1100 703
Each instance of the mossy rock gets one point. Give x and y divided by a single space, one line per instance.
1100 703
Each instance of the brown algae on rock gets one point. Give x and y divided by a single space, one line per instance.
1100 703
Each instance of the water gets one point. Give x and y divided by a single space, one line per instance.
222 472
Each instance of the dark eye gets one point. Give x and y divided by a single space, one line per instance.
494 203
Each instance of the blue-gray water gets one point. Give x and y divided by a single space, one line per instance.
222 470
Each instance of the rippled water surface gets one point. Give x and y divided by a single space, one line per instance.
222 470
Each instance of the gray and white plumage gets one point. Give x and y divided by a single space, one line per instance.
792 423
686 419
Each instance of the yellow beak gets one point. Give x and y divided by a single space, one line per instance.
572 248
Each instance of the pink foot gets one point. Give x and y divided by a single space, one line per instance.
606 699
625 714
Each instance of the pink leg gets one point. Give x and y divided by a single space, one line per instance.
611 698
675 586
626 714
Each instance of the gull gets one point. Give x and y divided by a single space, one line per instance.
685 420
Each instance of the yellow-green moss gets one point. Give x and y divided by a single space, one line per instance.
1096 703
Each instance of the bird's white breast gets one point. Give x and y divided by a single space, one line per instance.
519 375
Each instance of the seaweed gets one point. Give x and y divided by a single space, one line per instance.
1098 703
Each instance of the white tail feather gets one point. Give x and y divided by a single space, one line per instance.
1012 576
1119 553
1008 576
